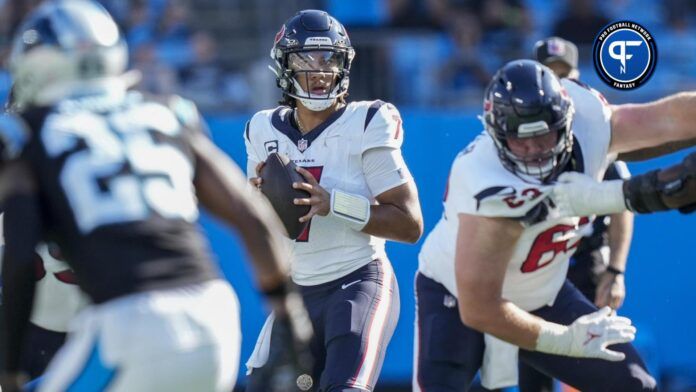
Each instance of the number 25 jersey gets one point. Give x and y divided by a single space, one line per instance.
115 179
480 185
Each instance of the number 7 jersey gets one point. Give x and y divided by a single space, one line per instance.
114 177
329 248
480 185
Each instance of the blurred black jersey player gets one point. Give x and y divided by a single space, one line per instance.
113 177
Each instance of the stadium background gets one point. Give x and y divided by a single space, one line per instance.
431 58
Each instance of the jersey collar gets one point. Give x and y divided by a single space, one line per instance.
283 122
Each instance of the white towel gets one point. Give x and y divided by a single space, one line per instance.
259 356
499 368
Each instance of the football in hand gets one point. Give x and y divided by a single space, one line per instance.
278 174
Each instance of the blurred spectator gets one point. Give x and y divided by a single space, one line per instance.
11 14
677 50
581 23
504 24
139 25
417 14
157 77
371 13
465 69
647 13
173 33
497 15
119 10
204 80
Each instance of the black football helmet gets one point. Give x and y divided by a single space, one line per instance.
312 42
525 99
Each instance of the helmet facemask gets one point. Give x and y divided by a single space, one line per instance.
556 141
312 56
322 73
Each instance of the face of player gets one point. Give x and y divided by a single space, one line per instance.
561 69
317 71
535 150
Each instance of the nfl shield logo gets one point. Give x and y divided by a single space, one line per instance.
302 145
556 47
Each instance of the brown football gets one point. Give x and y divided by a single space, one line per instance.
278 175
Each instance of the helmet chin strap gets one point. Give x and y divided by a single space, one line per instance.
317 105
314 104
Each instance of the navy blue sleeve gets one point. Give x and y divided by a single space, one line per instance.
22 231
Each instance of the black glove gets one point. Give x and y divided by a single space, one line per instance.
290 363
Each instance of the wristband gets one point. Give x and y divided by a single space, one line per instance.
351 208
614 270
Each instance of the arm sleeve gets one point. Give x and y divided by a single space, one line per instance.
22 229
384 169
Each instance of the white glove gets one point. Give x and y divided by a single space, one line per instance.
577 194
588 336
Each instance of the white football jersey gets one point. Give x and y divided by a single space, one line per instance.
480 185
329 249
57 298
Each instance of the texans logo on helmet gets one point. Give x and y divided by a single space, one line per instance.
279 35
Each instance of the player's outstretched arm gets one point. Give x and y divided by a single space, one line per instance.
659 190
22 230
221 188
653 152
484 247
666 121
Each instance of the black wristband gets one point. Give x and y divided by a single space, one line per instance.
614 270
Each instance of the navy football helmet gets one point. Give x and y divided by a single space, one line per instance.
526 100
312 48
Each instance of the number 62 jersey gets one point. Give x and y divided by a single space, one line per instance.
480 185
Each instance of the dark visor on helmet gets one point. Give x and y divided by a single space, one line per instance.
317 60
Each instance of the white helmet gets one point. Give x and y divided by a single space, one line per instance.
63 48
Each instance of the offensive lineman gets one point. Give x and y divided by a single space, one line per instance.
109 175
361 193
597 267
509 250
